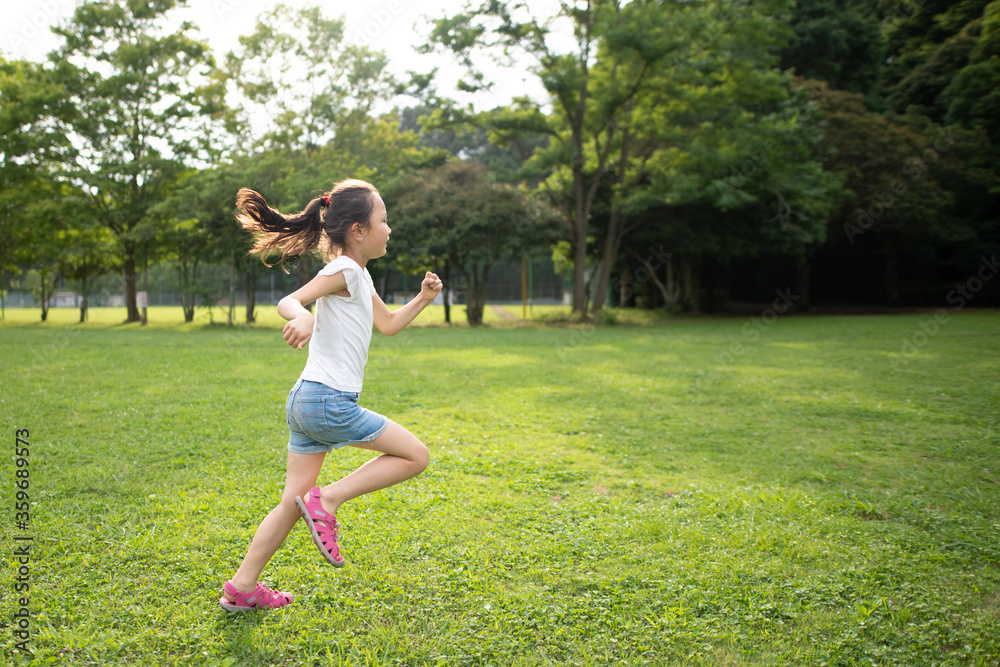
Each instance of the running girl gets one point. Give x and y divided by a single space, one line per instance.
349 225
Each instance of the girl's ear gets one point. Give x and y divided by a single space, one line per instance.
356 231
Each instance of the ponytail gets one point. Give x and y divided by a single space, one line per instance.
294 235
350 201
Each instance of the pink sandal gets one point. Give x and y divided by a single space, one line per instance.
262 597
323 527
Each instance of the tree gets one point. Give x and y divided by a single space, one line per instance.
503 158
921 89
316 93
893 169
131 83
297 68
208 197
837 41
41 221
262 172
944 63
86 252
719 161
585 123
456 214
30 146
191 242
973 96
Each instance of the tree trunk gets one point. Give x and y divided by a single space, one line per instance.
690 274
445 274
669 290
145 283
83 302
476 301
187 275
474 314
579 235
473 307
579 246
251 289
130 302
609 253
232 285
45 294
612 242
182 279
476 292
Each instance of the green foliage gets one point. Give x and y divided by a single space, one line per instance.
945 64
589 86
133 87
908 179
87 249
837 41
973 97
596 496
923 86
299 72
671 125
455 214
988 44
28 148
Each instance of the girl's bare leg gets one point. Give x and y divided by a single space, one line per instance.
403 457
301 475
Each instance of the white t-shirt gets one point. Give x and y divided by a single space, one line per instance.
342 330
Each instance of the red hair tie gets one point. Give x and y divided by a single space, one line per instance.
325 199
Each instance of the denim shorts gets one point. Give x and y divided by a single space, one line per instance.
321 418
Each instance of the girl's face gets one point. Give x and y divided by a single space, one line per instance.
377 235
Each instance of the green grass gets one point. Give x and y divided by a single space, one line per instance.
619 495
173 317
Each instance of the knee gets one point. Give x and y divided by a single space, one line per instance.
421 457
287 501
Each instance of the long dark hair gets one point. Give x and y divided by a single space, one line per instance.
334 213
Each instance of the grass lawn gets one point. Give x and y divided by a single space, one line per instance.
816 491
172 317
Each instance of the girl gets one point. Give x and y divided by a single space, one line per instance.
322 410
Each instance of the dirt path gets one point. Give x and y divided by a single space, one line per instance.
503 313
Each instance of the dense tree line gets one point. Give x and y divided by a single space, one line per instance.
685 151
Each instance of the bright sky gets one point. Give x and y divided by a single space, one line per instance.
394 26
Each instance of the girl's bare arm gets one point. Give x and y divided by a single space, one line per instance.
392 322
298 331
